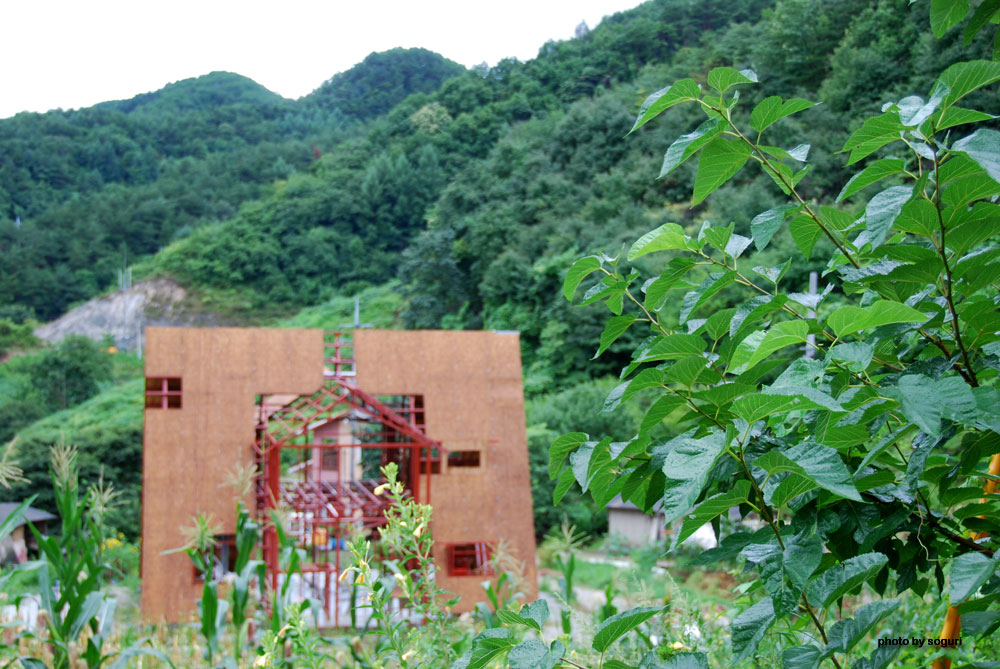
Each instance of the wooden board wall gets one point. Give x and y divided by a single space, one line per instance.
188 452
472 389
473 399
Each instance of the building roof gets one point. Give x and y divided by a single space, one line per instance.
30 513
619 504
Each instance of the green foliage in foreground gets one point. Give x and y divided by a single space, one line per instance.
71 570
861 434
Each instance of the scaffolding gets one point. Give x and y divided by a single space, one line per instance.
318 460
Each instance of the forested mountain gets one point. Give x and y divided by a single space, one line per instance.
81 190
470 190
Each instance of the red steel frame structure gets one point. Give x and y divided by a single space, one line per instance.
323 510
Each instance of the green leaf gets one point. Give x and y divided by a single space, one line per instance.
879 659
882 211
918 217
958 116
745 350
660 409
586 461
685 90
803 372
785 333
968 573
686 372
711 285
913 111
719 162
562 447
621 624
876 171
656 290
531 654
805 233
771 110
918 395
799 153
754 310
815 462
32 663
489 645
840 579
532 615
14 519
801 657
758 406
87 611
688 660
810 396
578 271
961 192
615 328
565 482
983 146
848 320
946 13
667 237
722 78
785 572
687 145
847 632
857 355
963 78
875 133
712 507
687 463
749 627
647 378
984 13
764 225
673 347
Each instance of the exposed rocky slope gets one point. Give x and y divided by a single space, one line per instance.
124 314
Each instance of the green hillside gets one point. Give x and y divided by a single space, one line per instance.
83 191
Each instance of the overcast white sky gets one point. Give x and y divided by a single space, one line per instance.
70 54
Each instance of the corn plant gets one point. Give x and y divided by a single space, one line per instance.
71 575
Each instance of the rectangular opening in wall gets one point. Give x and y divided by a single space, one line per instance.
163 392
463 459
469 559
330 459
223 558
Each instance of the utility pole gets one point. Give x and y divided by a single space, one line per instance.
811 339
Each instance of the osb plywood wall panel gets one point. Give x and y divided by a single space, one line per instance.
188 452
472 388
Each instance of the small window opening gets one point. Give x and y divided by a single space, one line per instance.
470 559
463 459
330 459
223 557
163 392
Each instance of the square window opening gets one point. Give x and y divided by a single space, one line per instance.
470 559
163 392
330 459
